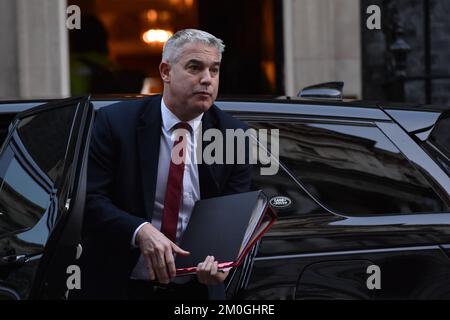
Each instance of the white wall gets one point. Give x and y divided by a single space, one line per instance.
34 53
322 43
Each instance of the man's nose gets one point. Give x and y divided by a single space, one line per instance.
206 77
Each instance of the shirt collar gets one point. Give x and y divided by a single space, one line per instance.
169 120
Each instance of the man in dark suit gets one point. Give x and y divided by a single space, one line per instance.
139 199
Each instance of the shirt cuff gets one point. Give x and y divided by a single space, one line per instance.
133 239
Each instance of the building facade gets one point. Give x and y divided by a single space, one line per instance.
273 47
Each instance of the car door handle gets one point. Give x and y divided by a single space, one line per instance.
13 260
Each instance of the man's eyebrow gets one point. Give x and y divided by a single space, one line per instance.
194 61
216 63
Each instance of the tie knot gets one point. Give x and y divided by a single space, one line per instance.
183 125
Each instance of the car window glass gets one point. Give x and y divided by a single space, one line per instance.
353 169
38 133
285 196
440 136
22 199
5 120
30 165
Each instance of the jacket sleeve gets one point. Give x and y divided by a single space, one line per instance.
102 217
239 180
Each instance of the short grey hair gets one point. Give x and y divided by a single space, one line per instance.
173 46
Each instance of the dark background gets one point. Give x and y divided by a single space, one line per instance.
408 60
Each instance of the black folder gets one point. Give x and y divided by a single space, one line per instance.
225 227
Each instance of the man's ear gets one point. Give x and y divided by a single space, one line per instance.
164 71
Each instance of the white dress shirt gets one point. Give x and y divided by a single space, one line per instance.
191 186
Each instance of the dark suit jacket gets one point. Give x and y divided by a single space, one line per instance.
121 183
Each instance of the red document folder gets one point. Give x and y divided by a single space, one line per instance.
225 227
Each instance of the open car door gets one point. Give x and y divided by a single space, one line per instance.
42 191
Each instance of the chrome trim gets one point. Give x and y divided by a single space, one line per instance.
339 253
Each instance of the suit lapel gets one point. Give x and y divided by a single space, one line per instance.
209 186
148 135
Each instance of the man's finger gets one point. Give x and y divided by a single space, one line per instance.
153 263
161 268
208 265
170 263
203 274
213 271
151 272
200 273
178 250
156 268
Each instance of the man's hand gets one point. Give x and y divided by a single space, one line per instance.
208 273
158 252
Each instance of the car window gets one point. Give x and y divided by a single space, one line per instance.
5 120
440 136
38 133
22 199
30 164
353 169
285 195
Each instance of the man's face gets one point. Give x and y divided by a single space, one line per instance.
192 82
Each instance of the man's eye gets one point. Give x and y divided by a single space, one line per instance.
214 70
194 68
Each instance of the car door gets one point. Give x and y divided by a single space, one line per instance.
349 200
42 175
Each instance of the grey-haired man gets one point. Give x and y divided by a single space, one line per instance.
138 201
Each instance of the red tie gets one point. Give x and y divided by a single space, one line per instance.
172 199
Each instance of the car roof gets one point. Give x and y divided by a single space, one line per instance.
410 116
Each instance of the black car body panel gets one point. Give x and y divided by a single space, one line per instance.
367 186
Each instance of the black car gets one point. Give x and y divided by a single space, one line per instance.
362 195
